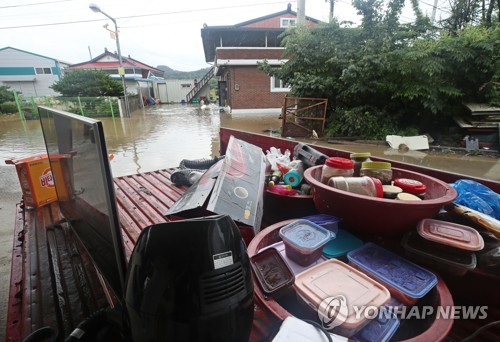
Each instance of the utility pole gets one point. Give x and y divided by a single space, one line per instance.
330 14
301 12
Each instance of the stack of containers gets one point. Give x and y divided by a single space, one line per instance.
331 290
405 280
444 246
343 243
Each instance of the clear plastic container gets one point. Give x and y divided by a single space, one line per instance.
272 272
304 241
451 234
336 166
359 185
358 159
405 280
380 170
329 222
333 278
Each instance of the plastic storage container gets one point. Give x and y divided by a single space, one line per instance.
379 329
380 170
304 241
329 222
294 267
334 279
358 159
405 280
360 185
293 330
272 272
419 250
336 166
450 234
411 186
343 243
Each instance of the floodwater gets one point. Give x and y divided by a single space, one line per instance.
161 136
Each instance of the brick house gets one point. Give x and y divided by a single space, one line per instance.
236 50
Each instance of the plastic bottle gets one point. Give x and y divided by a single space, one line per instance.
336 166
295 175
358 159
308 155
360 185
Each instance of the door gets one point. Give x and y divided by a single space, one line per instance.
222 93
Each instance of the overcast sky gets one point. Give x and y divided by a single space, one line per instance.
155 32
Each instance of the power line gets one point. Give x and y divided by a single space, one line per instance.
35 4
143 15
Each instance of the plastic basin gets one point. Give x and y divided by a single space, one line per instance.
435 330
381 216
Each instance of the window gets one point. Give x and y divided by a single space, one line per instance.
287 22
43 71
278 85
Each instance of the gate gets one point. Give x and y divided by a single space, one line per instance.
301 116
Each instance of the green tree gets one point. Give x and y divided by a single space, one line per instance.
88 83
6 94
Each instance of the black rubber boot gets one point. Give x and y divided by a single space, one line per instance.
199 164
186 176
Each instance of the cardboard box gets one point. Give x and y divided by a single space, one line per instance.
37 182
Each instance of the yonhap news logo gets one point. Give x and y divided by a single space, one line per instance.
334 311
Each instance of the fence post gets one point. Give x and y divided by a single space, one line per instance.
111 107
80 104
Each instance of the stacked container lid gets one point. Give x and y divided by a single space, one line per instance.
405 280
444 245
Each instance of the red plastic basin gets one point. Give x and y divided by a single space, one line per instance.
435 330
381 216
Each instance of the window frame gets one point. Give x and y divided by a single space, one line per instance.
281 89
43 71
288 21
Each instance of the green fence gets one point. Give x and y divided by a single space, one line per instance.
87 106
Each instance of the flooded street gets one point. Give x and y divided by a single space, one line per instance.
161 137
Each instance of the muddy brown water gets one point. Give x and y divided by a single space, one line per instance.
160 137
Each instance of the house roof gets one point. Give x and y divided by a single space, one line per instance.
128 62
34 54
247 33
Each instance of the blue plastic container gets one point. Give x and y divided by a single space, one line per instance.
344 242
329 222
404 279
380 329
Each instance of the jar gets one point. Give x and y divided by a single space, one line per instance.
380 170
411 186
404 196
360 185
358 159
336 166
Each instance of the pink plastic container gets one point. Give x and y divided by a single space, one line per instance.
335 279
451 234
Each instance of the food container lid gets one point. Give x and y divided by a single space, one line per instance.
403 275
360 155
271 271
305 235
375 165
450 234
296 268
333 278
340 163
391 191
410 185
404 196
343 243
414 243
381 328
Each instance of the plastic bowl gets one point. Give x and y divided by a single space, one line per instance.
370 215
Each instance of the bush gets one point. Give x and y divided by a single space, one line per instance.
8 107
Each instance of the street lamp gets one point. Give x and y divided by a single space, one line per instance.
121 70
